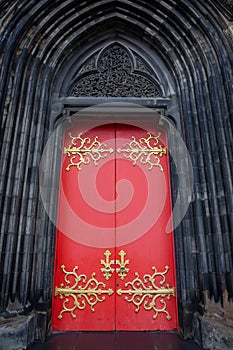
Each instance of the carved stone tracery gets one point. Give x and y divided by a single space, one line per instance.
115 72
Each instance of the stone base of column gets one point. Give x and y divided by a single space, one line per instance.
213 333
21 331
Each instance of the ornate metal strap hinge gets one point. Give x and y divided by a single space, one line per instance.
151 292
83 150
144 150
148 294
83 292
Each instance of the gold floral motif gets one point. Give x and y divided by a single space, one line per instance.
122 270
146 292
82 150
107 269
145 150
81 293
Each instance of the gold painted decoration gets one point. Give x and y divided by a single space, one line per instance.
107 269
148 294
79 292
151 292
144 150
122 270
83 150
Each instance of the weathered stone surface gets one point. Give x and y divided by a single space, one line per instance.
214 333
116 76
43 46
17 333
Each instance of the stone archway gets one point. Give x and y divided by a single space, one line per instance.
40 54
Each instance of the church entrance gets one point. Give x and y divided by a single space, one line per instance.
114 267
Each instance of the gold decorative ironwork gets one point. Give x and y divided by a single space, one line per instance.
107 269
82 150
81 293
145 150
148 294
122 270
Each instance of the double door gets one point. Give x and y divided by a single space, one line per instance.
114 267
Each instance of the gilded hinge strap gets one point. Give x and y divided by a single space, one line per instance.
83 150
83 292
144 150
148 294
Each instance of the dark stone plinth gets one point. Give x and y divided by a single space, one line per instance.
18 332
213 333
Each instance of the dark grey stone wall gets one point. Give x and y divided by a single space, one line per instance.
43 46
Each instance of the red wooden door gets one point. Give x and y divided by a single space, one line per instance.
147 291
114 265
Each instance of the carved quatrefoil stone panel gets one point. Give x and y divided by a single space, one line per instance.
116 72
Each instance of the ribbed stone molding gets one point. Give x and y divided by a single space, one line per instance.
43 46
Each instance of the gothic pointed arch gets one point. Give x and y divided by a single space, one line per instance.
46 48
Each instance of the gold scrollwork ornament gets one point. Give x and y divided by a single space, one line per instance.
147 294
83 150
81 293
144 150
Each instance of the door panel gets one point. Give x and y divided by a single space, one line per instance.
145 302
83 300
112 219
